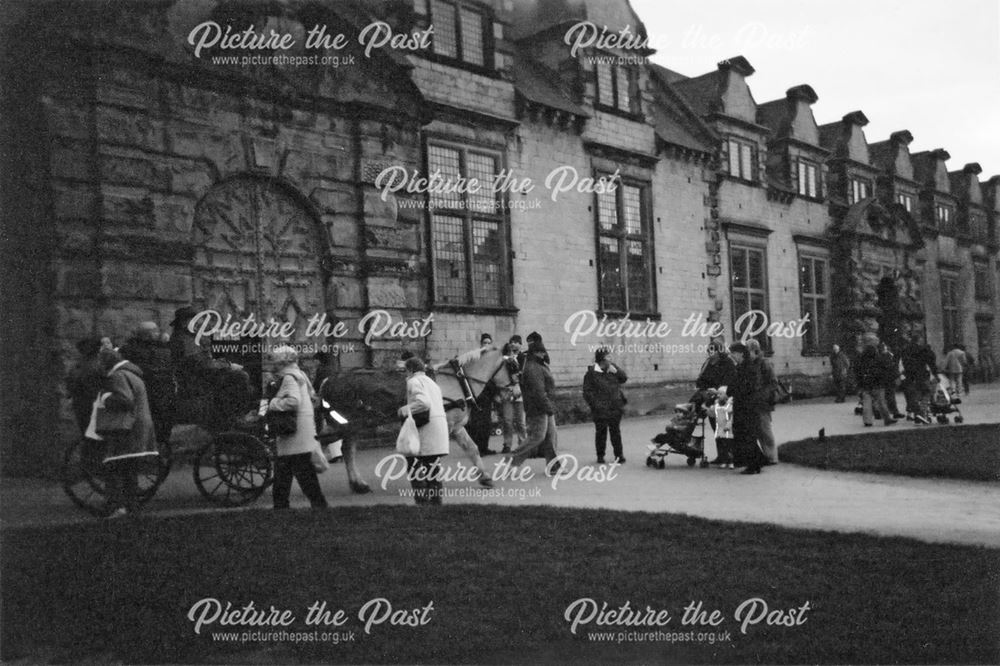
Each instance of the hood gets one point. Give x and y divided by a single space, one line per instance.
127 366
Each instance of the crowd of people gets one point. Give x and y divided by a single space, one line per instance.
130 397
877 373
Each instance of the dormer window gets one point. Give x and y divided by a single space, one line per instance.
905 200
859 190
943 215
808 178
460 32
741 159
616 85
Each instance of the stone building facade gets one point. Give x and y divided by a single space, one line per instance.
140 177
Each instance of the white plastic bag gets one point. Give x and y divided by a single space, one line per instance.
318 459
91 432
408 441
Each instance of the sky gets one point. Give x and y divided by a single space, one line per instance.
932 67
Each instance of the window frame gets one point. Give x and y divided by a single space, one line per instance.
469 216
982 289
749 247
816 342
740 143
906 200
632 75
623 237
488 43
944 222
802 166
951 322
854 184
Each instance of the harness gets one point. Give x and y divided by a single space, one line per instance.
458 372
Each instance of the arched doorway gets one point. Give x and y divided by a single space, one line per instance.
258 251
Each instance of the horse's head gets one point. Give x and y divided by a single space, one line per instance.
492 367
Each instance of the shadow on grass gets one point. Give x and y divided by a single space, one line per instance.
970 452
500 580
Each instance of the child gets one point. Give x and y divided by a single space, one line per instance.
723 412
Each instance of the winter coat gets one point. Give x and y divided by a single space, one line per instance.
955 361
422 395
866 370
603 394
723 419
718 370
919 363
538 388
745 388
153 357
888 369
128 394
840 363
296 394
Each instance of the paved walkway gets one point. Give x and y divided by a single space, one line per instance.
789 495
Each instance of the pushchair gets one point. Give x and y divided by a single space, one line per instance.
679 436
945 401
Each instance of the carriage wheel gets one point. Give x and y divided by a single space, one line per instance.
152 475
233 469
83 478
692 461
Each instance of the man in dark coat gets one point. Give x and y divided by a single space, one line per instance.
152 355
603 394
840 367
870 373
745 392
538 389
919 365
888 366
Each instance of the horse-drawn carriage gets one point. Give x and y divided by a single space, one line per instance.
232 468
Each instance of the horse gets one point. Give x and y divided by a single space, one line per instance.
367 399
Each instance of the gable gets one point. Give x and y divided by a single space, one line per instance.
737 100
857 146
904 166
803 124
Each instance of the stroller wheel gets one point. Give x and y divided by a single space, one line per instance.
959 419
649 461
661 464
704 463
692 461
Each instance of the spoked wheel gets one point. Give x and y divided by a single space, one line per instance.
83 477
151 475
233 469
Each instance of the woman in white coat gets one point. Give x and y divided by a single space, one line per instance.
295 451
424 396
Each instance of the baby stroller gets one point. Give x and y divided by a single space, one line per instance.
945 400
679 438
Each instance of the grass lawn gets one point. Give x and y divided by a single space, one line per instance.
500 579
969 452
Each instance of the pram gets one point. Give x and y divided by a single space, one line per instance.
945 401
679 438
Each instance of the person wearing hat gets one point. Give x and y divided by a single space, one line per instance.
147 351
294 450
535 336
745 392
480 422
538 389
603 394
199 374
511 400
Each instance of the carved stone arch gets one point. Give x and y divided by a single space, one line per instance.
260 249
